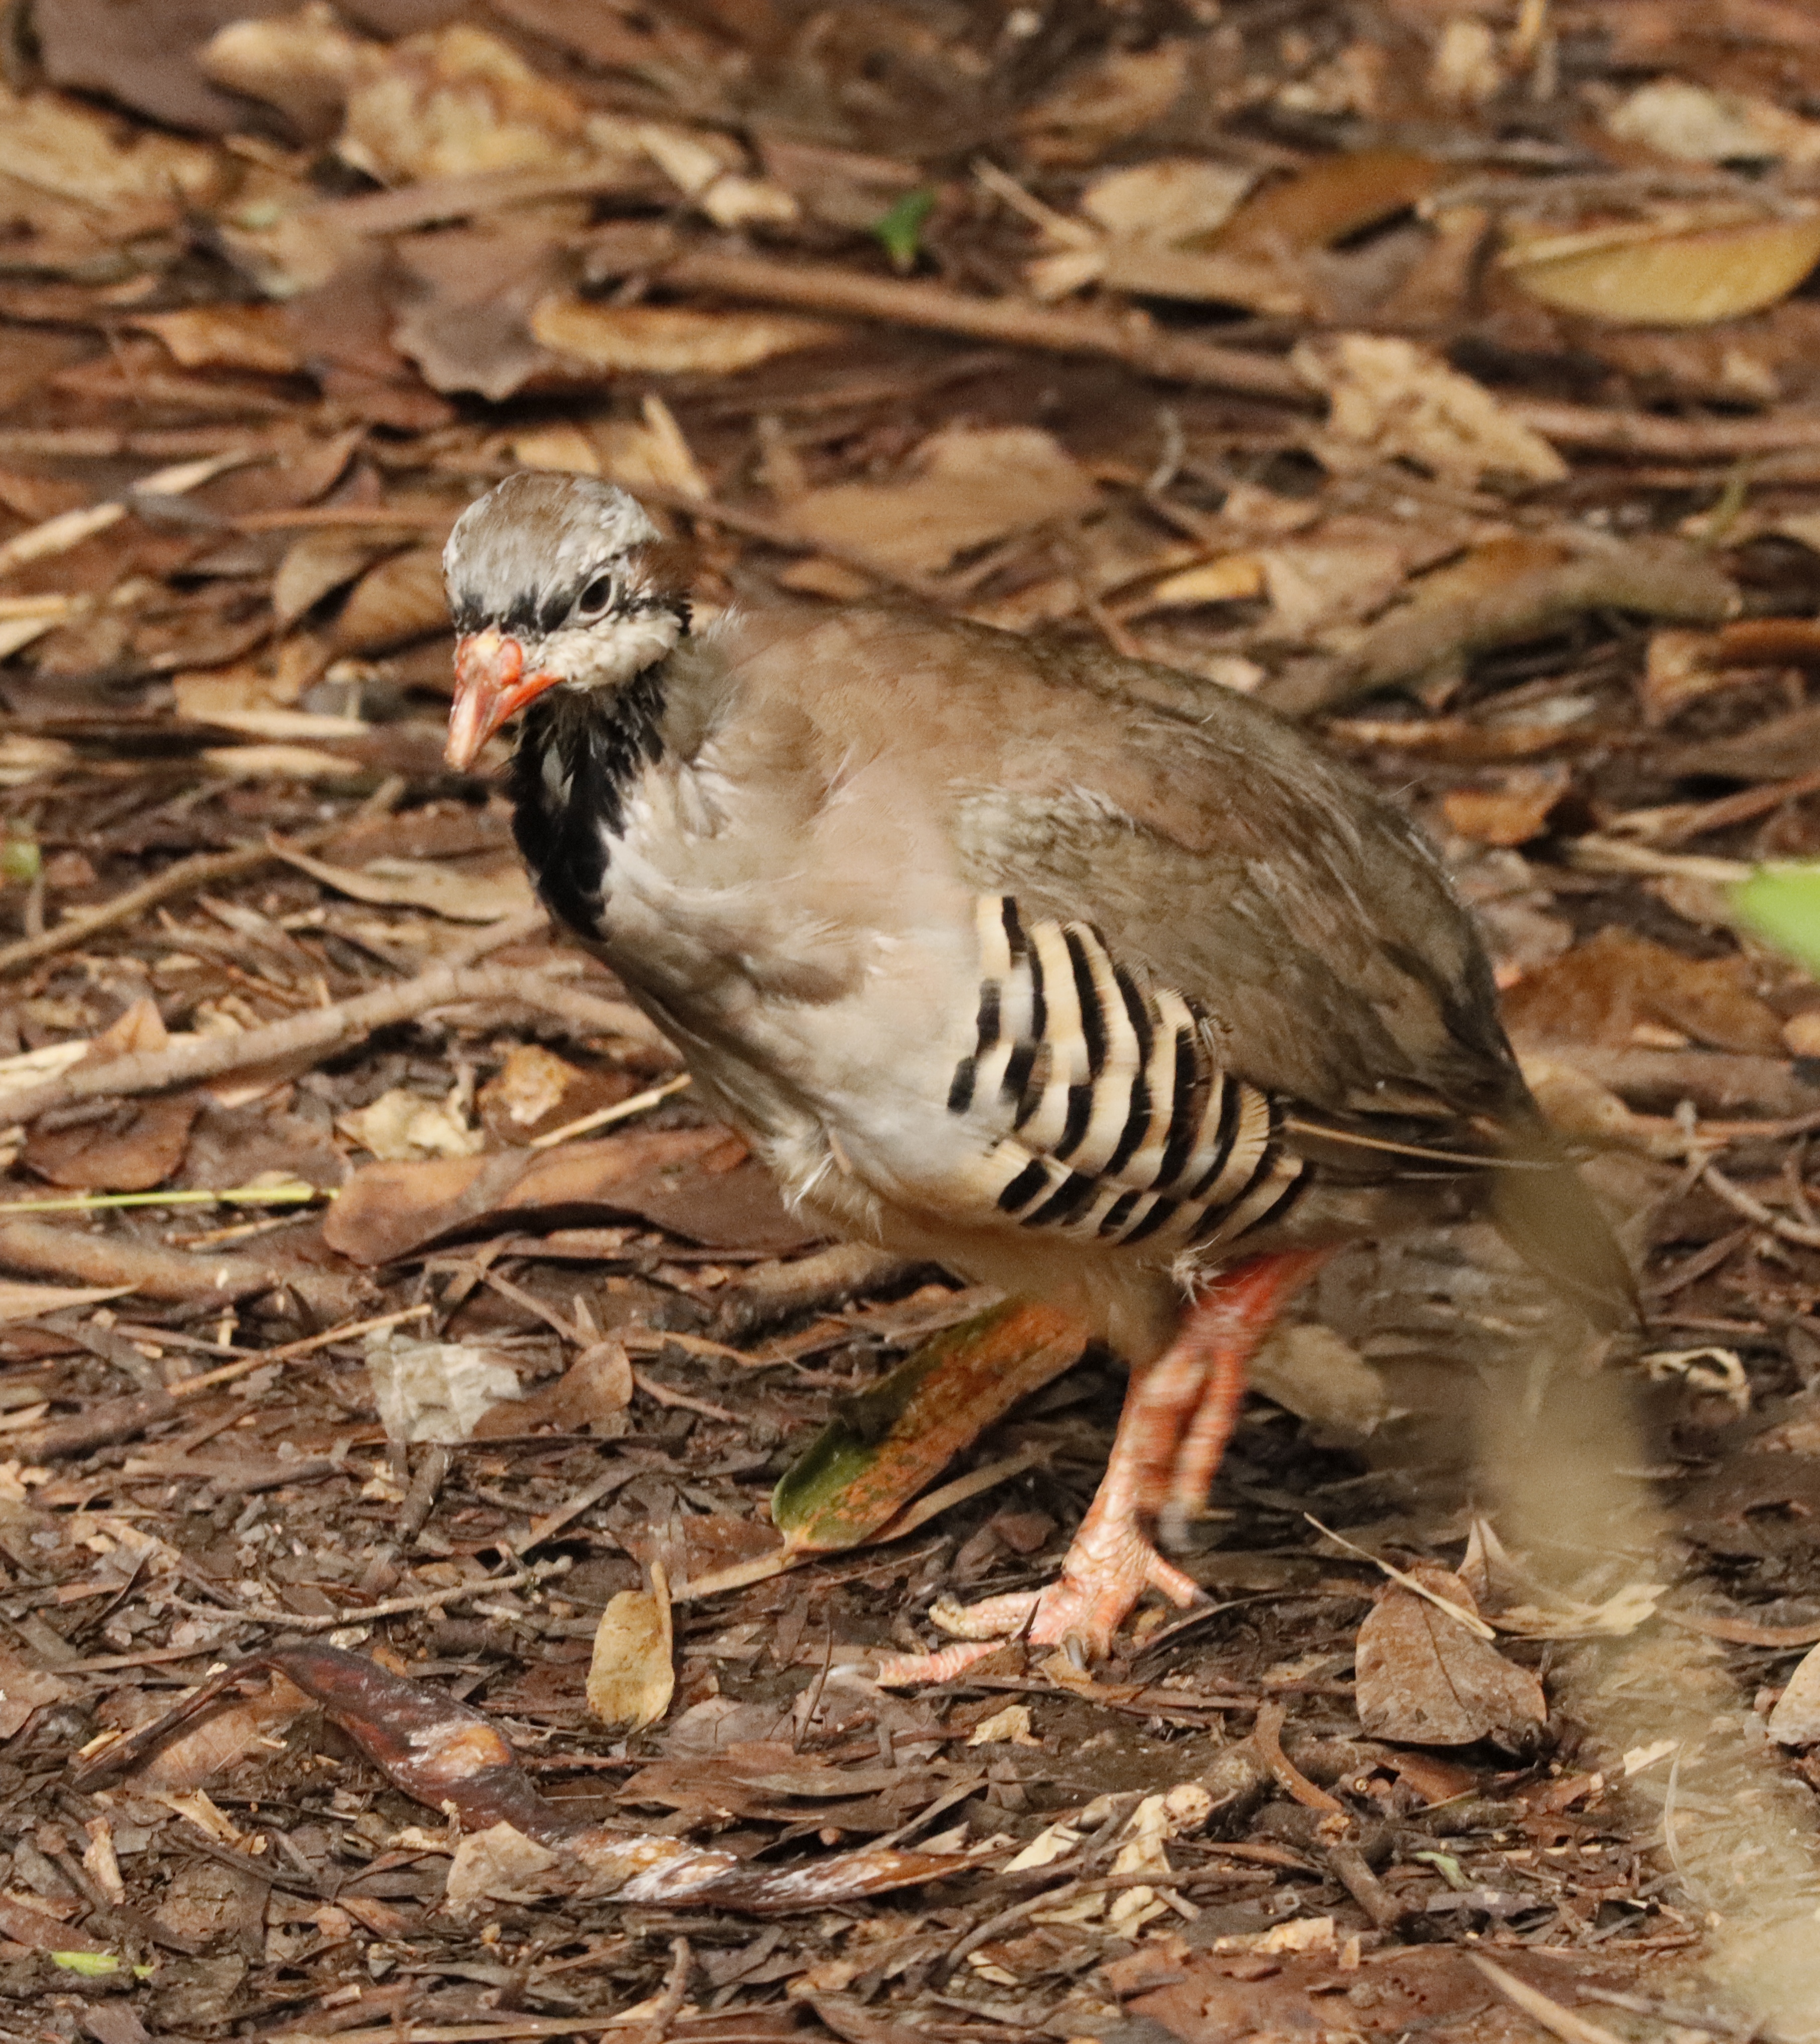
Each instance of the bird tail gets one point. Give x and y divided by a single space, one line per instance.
1549 1216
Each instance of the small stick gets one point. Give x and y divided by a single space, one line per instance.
1267 1736
1562 2022
317 1032
398 1607
205 869
897 301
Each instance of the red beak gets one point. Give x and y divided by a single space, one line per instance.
491 687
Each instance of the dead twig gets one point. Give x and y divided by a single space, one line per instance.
1753 1209
317 1031
1561 2022
205 869
1132 340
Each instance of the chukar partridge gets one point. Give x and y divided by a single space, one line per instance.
1063 971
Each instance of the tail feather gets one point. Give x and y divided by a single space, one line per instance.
1551 1221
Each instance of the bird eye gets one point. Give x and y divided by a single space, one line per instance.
597 596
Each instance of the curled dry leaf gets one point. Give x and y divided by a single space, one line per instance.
1601 991
963 487
632 452
631 1677
403 1125
401 599
306 65
1695 124
253 337
49 143
320 562
1688 266
456 101
421 883
1795 1719
1336 197
1514 811
1391 399
588 1397
1424 1678
672 340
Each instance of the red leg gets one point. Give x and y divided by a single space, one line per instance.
1178 1416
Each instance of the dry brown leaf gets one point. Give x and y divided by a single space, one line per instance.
1693 124
304 64
1308 1369
1514 811
963 487
672 340
1333 575
1795 1719
1115 96
632 452
401 599
1168 199
1688 266
136 1147
1390 399
432 1390
417 883
25 1688
1230 579
52 144
1603 990
631 1677
400 1124
588 1397
20 1302
225 337
1336 197
456 101
1423 1678
322 562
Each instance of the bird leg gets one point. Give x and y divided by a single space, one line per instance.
1178 1416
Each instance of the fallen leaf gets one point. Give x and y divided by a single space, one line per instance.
631 1677
455 101
1795 1719
225 337
1009 1726
416 883
1167 199
465 318
53 145
320 562
1603 989
20 1302
869 1464
528 1088
25 1688
1512 813
672 340
963 487
1391 399
1782 904
1424 1678
1234 1996
435 1391
696 1182
137 1146
588 1397
1695 124
304 64
1334 197
1688 266
400 1123
401 599
1112 96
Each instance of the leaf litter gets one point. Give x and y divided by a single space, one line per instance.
1149 327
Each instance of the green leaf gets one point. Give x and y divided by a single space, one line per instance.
899 232
90 1966
867 1464
18 859
1781 904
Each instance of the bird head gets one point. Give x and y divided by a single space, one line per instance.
554 582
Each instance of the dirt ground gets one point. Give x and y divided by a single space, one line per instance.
448 1517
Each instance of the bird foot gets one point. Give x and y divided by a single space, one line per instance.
1108 1569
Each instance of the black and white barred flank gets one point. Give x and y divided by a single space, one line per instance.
1123 1127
